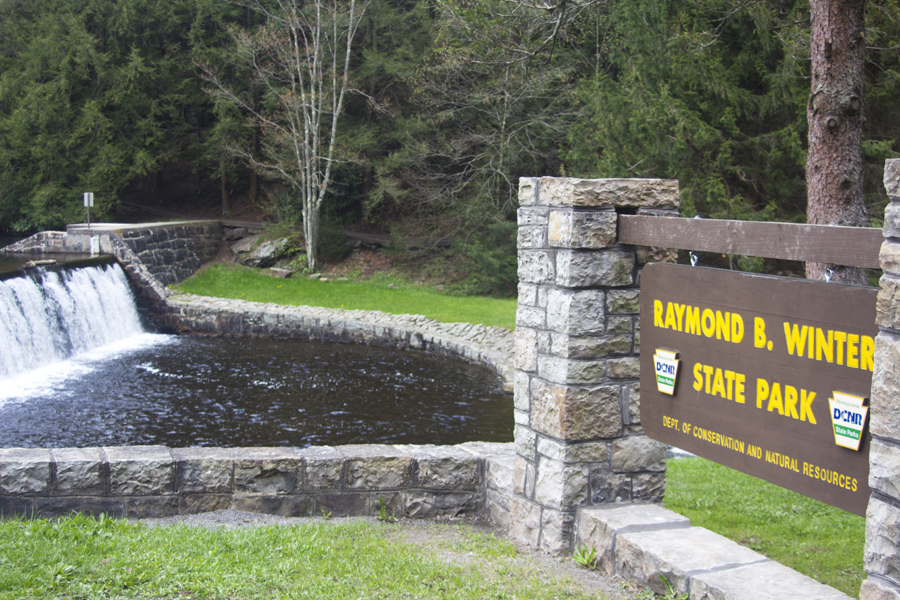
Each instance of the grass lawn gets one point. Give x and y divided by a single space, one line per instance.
373 294
81 557
813 538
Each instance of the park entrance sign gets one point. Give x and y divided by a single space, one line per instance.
767 375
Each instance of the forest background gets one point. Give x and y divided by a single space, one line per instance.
450 102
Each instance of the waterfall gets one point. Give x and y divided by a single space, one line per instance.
52 315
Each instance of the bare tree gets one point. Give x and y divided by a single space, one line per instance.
300 58
835 114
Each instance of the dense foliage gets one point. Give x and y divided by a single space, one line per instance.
451 102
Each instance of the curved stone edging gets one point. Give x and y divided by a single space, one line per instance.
492 347
156 481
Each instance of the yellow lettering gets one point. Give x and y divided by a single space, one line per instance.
679 314
824 347
723 326
693 320
698 377
852 350
718 387
657 313
737 328
708 371
840 337
790 401
708 322
739 388
759 333
796 338
729 377
775 401
806 400
762 391
670 316
867 353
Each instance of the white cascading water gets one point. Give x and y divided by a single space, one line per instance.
52 316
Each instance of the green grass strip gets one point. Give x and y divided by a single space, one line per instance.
82 557
373 294
818 540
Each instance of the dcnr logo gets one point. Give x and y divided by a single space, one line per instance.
847 416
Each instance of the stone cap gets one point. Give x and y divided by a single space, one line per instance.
599 193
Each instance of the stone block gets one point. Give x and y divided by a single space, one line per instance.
521 391
608 193
556 531
572 413
633 404
560 485
525 521
616 325
645 557
24 471
532 237
499 471
608 268
422 504
149 507
888 304
638 453
882 552
536 266
526 349
625 368
892 177
593 230
486 449
648 487
889 257
527 294
525 441
884 420
78 472
140 470
533 216
884 468
530 316
342 504
66 505
444 468
497 508
652 254
877 590
566 346
597 527
587 452
891 226
17 506
760 581
622 302
204 470
609 487
283 506
267 471
378 472
528 191
575 313
569 371
195 504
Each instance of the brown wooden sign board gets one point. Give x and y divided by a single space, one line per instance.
750 392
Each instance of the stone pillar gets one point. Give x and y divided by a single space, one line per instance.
578 436
882 554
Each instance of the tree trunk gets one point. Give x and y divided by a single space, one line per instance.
254 175
226 200
836 116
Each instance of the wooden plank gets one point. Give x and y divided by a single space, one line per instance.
850 246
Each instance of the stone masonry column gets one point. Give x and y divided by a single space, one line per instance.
578 436
882 553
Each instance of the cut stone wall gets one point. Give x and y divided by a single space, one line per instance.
155 481
578 436
882 553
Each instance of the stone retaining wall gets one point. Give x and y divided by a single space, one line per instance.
155 481
491 347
